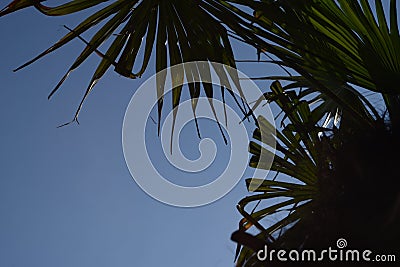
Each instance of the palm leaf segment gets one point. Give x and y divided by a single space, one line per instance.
178 31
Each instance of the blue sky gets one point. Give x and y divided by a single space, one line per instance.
66 195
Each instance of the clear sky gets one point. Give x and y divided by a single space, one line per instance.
66 195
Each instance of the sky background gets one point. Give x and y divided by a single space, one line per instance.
66 195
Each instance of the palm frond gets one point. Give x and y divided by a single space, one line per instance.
318 178
340 44
178 31
296 156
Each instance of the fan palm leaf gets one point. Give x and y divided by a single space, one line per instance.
177 31
334 45
318 180
296 156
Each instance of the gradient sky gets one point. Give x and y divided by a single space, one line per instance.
66 195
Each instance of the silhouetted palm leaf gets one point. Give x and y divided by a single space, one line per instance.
178 31
339 43
319 181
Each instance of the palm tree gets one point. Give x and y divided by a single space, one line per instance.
340 156
334 49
